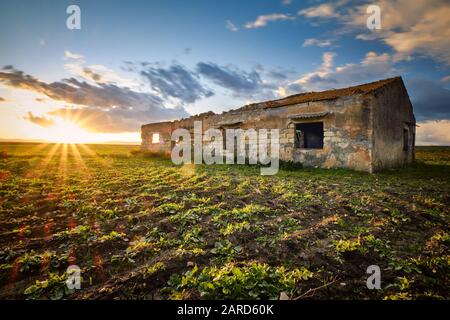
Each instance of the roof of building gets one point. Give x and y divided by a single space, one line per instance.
322 95
304 98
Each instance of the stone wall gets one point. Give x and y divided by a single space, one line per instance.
347 131
164 129
362 130
346 135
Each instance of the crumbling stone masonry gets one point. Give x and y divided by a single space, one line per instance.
367 127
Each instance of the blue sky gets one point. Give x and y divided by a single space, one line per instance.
140 61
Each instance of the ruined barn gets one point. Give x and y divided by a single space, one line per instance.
368 127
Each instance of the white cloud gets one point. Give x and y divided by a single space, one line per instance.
286 2
317 42
263 20
68 55
326 76
410 28
423 28
433 133
320 11
102 74
231 26
445 79
96 74
107 107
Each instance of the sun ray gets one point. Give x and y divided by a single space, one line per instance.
40 167
38 148
88 150
37 151
62 169
79 162
95 156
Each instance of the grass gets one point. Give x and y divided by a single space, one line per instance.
140 227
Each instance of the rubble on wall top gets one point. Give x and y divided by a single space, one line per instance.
303 98
322 95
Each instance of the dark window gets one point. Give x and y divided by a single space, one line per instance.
309 135
405 140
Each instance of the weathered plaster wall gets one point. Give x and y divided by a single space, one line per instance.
392 112
363 127
165 131
346 131
346 135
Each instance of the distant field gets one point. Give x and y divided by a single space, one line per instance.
142 228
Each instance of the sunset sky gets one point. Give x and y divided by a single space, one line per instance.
134 62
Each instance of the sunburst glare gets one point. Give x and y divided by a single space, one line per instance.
68 131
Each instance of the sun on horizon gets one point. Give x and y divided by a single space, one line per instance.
72 131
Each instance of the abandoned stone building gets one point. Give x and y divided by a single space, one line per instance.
368 127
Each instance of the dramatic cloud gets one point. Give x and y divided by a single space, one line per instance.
317 42
230 78
411 28
263 20
277 74
168 82
92 75
431 101
423 27
176 82
231 26
97 73
103 106
372 67
120 105
255 85
80 92
41 121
